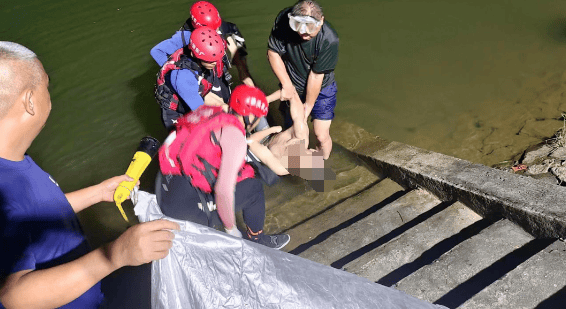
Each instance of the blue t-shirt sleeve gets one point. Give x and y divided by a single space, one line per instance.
163 50
186 85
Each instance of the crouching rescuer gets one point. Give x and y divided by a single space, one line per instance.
204 174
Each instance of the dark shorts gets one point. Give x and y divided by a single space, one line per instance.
323 108
325 103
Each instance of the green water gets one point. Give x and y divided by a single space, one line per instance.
480 80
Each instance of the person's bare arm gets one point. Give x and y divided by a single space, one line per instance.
103 192
263 153
233 144
59 285
278 67
274 96
242 66
314 84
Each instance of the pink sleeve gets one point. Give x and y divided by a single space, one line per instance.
233 144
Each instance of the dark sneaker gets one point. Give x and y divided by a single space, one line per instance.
277 241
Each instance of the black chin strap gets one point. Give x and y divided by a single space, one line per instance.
247 124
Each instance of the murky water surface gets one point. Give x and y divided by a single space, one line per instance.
480 80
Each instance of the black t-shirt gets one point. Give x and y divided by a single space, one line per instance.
319 53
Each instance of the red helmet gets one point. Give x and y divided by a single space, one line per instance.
206 44
203 14
247 100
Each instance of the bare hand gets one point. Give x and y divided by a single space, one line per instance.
143 243
107 187
288 92
258 136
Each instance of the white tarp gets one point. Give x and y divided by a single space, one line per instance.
210 269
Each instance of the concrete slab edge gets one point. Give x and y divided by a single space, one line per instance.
536 206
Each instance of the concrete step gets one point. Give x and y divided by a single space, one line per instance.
382 257
386 216
318 226
532 276
465 261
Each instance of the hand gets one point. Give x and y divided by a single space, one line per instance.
142 243
287 92
234 232
259 136
106 188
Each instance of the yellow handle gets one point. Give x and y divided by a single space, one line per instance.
138 165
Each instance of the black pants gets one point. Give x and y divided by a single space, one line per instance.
169 118
178 199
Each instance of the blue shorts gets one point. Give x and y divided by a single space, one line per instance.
325 103
323 108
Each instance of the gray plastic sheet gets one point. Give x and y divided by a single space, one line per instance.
209 269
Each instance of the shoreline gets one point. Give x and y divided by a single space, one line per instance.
545 161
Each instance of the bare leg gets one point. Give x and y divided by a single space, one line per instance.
322 132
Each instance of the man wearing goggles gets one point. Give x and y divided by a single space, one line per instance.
303 52
304 24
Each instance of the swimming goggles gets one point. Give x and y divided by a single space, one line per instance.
303 24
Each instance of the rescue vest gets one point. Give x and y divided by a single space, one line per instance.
166 95
193 151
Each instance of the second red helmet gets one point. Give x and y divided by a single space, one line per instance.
206 44
203 13
247 100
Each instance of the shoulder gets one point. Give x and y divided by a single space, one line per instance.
16 181
232 137
184 75
329 35
281 32
281 23
282 15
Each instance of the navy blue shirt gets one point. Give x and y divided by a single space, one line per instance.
38 225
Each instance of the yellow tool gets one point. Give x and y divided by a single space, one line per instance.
146 151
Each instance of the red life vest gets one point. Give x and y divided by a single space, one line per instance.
192 150
164 93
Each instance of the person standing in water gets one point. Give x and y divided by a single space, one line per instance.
303 53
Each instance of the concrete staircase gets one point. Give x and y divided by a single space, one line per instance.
439 229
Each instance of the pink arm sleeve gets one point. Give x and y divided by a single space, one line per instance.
233 144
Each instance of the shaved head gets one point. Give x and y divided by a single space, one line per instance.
19 70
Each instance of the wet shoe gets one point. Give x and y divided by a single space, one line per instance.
276 241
